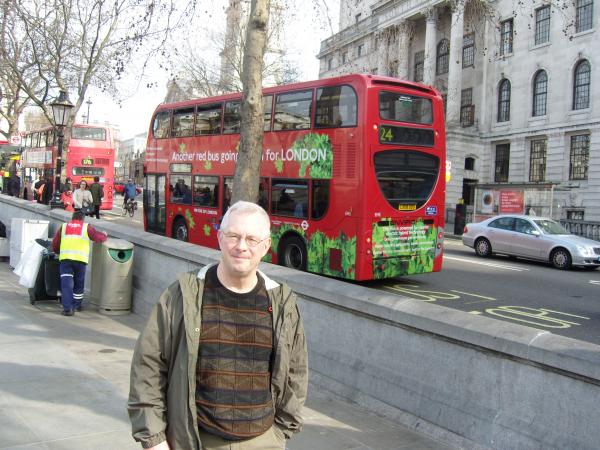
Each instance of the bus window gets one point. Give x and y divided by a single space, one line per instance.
35 140
289 197
320 198
405 108
208 119
181 192
336 107
292 111
227 191
89 133
43 139
160 125
233 117
183 122
406 178
267 111
51 139
206 190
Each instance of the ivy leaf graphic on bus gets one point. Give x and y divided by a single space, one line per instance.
182 148
319 155
278 165
190 219
206 229
207 165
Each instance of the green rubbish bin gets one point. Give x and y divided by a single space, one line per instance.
112 275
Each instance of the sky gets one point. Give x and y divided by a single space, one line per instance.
303 36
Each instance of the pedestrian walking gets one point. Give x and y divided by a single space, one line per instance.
67 200
67 185
72 242
82 198
97 194
14 185
47 192
222 361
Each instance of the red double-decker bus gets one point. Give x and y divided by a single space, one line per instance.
90 153
352 174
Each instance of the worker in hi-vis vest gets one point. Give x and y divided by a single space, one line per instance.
72 241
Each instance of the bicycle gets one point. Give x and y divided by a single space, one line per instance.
130 207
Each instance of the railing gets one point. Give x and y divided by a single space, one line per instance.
590 230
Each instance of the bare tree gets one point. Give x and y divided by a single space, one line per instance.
74 44
249 156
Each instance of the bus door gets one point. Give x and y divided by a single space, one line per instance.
155 210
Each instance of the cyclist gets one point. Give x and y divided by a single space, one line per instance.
129 192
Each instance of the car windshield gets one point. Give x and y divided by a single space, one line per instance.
551 227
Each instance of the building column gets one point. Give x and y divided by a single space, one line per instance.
382 52
455 65
405 29
430 46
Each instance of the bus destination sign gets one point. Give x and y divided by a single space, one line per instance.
405 135
87 162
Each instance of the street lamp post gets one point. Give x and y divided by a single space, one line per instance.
61 108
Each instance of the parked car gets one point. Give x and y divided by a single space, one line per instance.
531 237
119 187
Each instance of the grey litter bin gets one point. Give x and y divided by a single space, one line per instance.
112 274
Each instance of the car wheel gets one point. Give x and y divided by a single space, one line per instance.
560 259
483 247
180 231
293 253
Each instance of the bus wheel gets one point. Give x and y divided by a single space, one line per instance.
180 231
293 253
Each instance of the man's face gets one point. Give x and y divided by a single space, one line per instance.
243 244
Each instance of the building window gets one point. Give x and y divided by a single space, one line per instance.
506 37
344 57
443 57
575 214
357 17
581 85
537 160
467 109
504 101
445 102
419 65
502 160
469 163
584 15
359 50
580 151
540 93
330 64
542 25
468 56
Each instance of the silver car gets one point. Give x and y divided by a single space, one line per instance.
532 237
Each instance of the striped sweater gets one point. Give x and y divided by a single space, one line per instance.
233 396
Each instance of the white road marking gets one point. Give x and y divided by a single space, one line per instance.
473 295
483 263
595 282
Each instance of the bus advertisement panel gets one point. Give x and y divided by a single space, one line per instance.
352 174
90 153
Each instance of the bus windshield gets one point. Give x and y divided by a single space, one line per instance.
405 108
406 178
90 134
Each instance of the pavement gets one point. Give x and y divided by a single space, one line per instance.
64 383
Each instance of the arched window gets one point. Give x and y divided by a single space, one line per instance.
540 93
504 101
443 57
581 85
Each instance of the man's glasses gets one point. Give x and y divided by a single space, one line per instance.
251 241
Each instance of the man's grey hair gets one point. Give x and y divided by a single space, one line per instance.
243 207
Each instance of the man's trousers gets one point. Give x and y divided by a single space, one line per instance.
72 280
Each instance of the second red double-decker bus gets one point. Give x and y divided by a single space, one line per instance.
352 174
90 153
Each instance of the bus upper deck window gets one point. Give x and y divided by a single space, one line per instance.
336 107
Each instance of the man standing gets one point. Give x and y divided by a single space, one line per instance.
222 362
97 194
72 240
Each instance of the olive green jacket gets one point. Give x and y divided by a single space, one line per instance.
97 193
163 370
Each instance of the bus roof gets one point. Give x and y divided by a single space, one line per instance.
367 79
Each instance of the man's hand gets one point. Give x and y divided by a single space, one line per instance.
162 446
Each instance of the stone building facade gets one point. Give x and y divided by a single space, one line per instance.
520 86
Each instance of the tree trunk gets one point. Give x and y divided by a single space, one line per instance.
247 171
